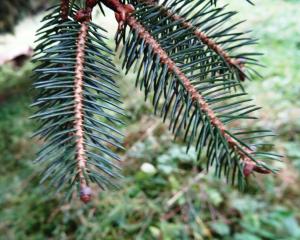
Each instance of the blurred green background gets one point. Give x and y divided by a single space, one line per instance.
162 195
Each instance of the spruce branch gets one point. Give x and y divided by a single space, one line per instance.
190 94
78 104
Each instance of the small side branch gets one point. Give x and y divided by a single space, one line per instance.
121 10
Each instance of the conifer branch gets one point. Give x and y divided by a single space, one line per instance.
77 104
244 152
191 91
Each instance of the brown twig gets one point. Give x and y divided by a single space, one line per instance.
78 95
64 8
83 16
121 10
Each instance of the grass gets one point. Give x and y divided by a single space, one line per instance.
153 202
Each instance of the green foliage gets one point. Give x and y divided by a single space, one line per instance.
57 66
209 73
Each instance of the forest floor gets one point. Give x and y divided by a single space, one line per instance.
161 196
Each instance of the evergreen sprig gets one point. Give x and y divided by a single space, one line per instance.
191 84
78 104
188 60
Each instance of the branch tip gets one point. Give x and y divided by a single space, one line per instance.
86 194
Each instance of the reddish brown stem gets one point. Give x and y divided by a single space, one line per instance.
78 81
121 10
115 5
83 16
85 190
64 8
